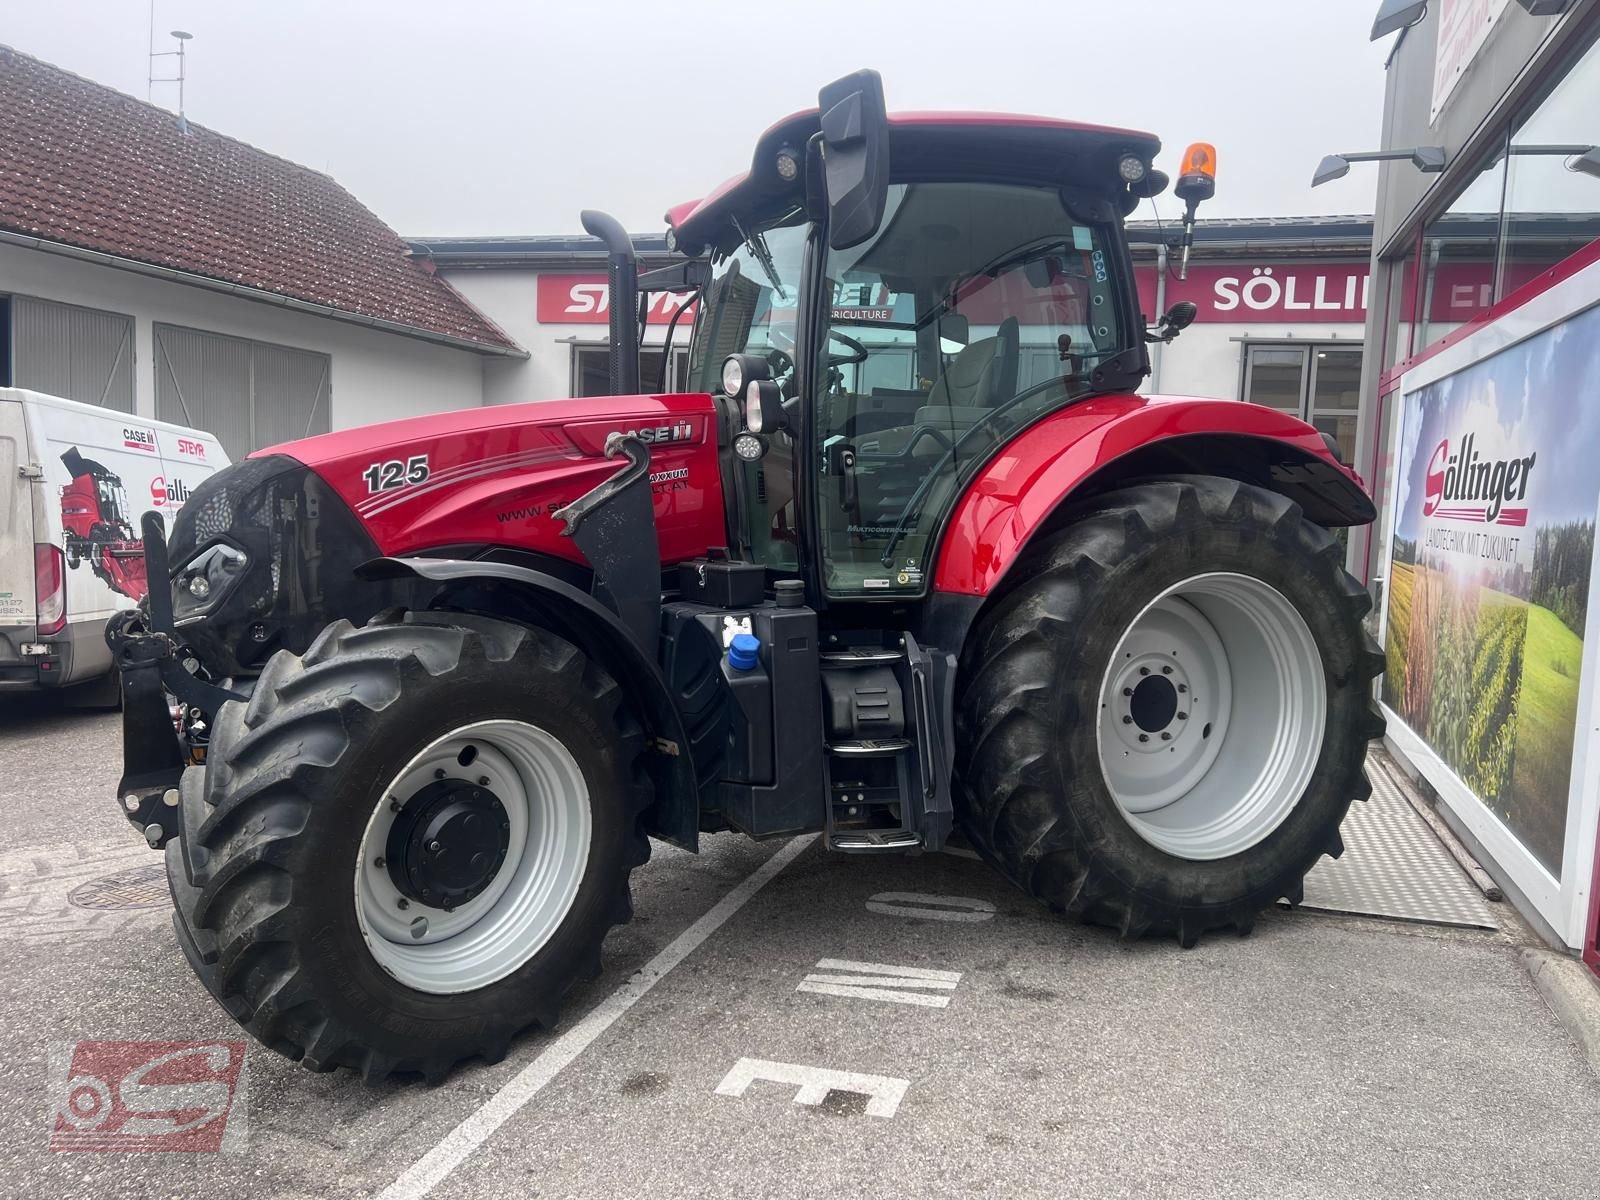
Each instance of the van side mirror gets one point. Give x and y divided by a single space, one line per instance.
855 156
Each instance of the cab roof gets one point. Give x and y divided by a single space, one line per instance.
1002 146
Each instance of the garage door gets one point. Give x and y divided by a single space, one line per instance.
83 354
249 394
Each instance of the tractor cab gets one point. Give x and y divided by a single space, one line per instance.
889 299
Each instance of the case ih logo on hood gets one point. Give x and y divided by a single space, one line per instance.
140 439
163 492
683 431
1460 486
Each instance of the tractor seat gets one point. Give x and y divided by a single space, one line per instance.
983 374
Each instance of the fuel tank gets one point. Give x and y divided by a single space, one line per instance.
496 476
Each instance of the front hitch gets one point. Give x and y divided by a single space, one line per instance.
144 650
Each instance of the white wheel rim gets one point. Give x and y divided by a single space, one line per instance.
1212 714
546 802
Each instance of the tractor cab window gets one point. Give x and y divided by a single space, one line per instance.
977 308
752 306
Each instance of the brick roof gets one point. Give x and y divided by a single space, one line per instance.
88 166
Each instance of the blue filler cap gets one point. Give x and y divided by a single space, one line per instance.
744 652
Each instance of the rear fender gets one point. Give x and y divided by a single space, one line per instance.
528 596
1093 447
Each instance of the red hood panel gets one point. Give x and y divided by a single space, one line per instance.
493 476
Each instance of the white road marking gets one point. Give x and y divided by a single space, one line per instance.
878 981
428 1171
883 1092
916 904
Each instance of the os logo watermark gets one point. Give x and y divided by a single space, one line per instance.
148 1097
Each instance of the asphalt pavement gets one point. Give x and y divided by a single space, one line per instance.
849 1027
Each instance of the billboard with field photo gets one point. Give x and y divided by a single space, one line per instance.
1496 490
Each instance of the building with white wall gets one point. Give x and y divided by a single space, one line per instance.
162 269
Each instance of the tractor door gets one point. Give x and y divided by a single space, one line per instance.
752 306
977 308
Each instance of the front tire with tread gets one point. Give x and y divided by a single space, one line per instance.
262 874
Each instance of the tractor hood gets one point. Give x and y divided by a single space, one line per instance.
295 522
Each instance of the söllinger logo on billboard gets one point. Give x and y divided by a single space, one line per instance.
1455 480
148 1097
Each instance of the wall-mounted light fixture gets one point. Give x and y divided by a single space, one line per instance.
1428 159
1397 14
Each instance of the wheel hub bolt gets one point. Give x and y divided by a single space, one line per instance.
1127 720
1166 737
483 781
1144 737
1183 716
379 862
1127 691
438 772
1183 687
1166 670
433 847
1144 670
403 902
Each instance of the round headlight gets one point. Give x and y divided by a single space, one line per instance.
1131 168
752 407
199 587
750 446
733 380
672 240
788 164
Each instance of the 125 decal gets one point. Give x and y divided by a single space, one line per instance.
385 476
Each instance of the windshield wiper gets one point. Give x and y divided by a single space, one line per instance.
757 246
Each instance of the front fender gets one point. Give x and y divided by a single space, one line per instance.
1096 445
674 816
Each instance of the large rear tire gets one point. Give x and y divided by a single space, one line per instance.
1163 720
410 843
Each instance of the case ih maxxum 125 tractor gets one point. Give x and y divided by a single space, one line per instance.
911 558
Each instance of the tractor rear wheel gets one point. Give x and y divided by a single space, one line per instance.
410 843
1163 720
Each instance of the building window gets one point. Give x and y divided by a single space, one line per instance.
591 367
248 394
1460 249
83 354
1552 210
1319 383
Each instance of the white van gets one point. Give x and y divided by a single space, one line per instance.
74 482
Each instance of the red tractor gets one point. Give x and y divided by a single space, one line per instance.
96 528
913 558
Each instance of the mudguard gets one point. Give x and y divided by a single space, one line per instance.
1091 446
674 816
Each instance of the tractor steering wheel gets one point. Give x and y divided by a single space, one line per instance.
858 352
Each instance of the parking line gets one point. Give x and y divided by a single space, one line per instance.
430 1170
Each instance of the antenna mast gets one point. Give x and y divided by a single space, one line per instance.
152 79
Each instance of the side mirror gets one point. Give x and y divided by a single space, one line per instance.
855 156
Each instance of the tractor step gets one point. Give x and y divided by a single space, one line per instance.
885 760
874 842
870 748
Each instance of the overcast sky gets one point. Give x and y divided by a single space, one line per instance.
497 117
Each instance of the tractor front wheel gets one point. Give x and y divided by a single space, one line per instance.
410 843
1164 719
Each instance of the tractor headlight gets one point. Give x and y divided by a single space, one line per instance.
205 580
1132 168
739 371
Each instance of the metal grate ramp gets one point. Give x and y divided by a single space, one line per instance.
1394 866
